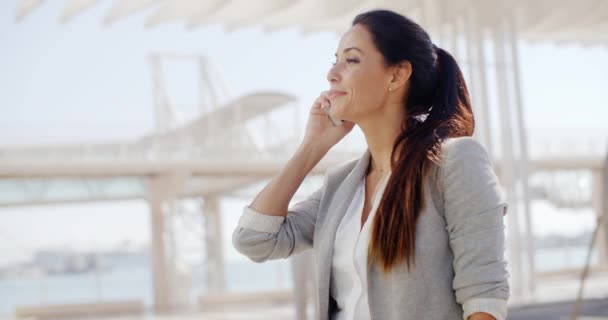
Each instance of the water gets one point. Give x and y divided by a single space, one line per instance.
127 283
567 257
134 281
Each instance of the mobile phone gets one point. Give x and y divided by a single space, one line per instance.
336 122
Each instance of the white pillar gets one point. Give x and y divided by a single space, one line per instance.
477 63
216 278
160 274
455 28
522 134
599 197
161 189
508 171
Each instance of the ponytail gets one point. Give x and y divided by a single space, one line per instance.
452 98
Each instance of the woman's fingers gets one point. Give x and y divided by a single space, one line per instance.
320 103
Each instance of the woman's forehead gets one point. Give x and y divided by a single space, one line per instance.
357 36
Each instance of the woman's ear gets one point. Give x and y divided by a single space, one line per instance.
401 73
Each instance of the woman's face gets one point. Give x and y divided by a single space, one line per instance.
359 79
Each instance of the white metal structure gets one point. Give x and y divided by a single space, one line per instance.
482 34
213 155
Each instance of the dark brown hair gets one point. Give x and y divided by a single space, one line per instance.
437 107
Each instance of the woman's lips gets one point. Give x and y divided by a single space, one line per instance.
334 94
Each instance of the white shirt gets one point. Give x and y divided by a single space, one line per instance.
349 264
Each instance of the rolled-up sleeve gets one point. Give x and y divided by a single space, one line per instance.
264 237
474 207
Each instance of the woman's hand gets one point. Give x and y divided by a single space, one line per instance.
481 316
320 131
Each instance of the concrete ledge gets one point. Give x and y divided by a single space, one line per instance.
79 309
254 298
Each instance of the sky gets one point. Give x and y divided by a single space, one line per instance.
82 82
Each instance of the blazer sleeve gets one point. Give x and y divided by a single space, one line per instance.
474 207
264 237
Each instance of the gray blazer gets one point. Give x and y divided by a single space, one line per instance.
460 267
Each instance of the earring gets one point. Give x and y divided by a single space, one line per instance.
390 89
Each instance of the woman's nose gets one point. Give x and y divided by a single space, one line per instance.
332 75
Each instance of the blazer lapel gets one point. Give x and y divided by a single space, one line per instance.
336 211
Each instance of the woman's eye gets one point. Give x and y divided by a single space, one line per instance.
347 61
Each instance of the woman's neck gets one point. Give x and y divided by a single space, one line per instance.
381 131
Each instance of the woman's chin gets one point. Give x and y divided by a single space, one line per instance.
338 114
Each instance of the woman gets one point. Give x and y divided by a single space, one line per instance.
414 228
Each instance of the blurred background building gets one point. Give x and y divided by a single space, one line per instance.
133 132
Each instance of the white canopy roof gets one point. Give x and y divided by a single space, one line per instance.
581 21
